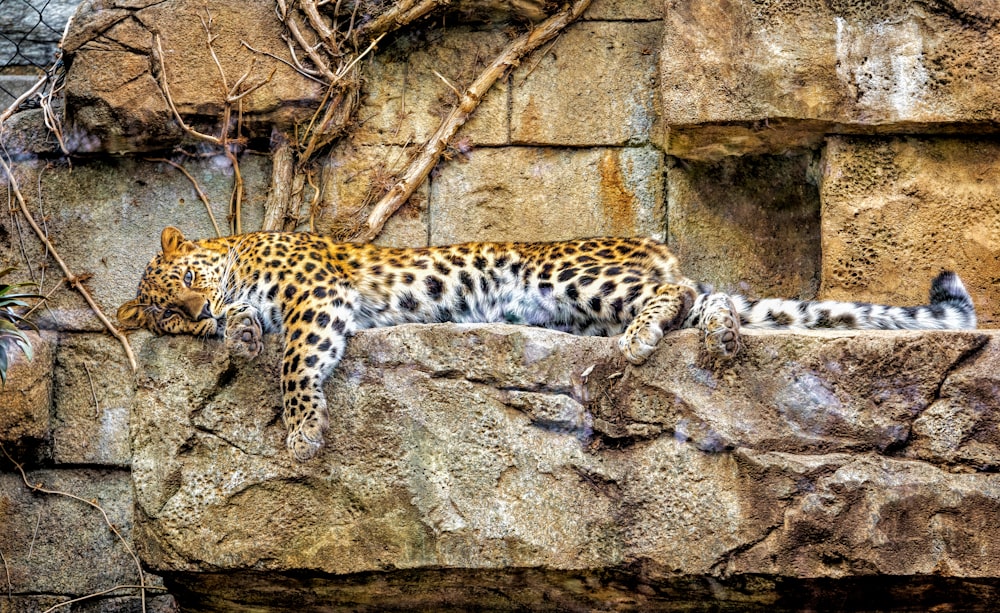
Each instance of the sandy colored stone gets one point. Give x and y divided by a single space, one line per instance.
26 399
961 427
747 225
547 194
112 94
819 66
476 447
896 211
72 551
105 218
594 86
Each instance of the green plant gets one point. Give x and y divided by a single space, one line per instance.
11 334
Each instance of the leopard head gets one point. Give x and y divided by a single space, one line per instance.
179 290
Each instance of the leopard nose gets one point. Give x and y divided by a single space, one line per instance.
206 313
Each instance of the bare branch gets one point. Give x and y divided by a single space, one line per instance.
432 150
72 279
276 208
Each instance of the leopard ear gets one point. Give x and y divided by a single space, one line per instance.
133 314
173 243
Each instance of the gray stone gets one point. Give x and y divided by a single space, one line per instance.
93 392
548 194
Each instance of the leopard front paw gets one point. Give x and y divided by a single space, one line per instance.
244 336
639 341
306 438
720 326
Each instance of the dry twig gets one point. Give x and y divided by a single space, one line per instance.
432 150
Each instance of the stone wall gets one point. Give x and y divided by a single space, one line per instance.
841 150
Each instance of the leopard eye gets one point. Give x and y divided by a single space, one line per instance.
188 278
168 313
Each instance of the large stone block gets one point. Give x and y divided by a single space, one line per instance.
105 219
751 76
593 86
353 178
487 448
26 399
111 92
896 211
747 225
531 194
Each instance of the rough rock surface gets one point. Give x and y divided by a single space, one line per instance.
896 211
488 448
548 194
749 76
26 399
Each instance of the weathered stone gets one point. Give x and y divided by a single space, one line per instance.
113 96
592 87
474 447
404 100
624 10
105 219
26 399
896 211
54 544
821 66
747 225
961 427
548 194
93 392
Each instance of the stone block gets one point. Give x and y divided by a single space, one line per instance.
404 100
113 97
593 86
624 10
54 544
746 76
105 218
896 211
748 225
26 399
94 388
533 194
476 448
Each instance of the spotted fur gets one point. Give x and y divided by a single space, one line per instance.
318 292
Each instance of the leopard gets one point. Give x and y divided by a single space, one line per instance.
317 292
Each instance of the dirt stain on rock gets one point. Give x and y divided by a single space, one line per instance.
617 200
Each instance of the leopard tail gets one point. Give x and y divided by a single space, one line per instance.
950 308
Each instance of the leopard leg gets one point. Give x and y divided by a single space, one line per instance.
720 326
662 312
316 332
244 334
